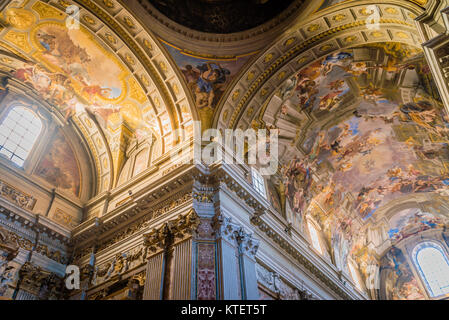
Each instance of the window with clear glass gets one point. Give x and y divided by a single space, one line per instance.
18 133
315 238
258 182
433 266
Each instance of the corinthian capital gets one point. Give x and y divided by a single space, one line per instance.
235 233
183 225
249 245
225 228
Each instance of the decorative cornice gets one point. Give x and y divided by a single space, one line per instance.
35 223
146 201
142 223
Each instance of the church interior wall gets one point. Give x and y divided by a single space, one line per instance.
106 186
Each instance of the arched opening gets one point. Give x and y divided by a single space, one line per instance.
18 133
433 267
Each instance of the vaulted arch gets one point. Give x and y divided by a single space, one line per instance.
107 76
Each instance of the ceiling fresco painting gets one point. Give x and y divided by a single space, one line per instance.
409 222
59 166
207 79
398 283
371 130
372 138
74 74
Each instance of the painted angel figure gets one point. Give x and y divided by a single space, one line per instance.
212 78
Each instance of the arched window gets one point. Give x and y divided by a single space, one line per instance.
18 133
433 266
315 237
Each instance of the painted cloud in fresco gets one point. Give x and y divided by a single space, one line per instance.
74 72
206 79
377 132
381 147
412 221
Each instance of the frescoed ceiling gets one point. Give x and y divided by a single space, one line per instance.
93 78
363 133
372 129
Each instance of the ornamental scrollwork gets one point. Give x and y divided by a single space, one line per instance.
17 197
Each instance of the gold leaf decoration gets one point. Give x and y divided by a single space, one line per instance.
235 95
130 59
108 3
147 44
46 11
20 39
145 80
391 10
326 47
376 34
19 18
350 39
281 75
128 21
268 58
89 20
314 27
110 38
289 41
163 66
402 35
339 17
